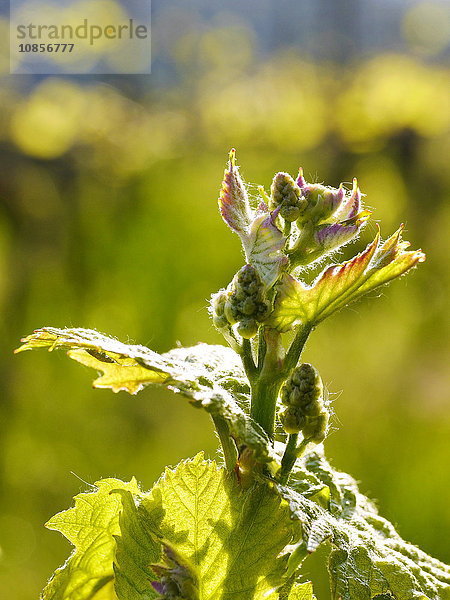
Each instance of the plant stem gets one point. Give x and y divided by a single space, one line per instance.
291 453
264 399
273 368
262 347
289 458
228 446
232 341
295 350
266 386
299 260
247 360
298 251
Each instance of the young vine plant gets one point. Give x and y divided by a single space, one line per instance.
241 527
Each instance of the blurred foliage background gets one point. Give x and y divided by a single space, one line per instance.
108 220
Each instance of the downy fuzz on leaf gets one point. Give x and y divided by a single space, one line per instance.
211 377
194 536
233 200
91 526
261 239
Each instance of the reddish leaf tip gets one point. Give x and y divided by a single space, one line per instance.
301 181
363 216
421 256
232 157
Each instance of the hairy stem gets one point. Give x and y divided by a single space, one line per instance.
262 348
292 358
266 387
264 399
247 360
302 259
291 453
287 229
228 446
289 458
296 348
298 251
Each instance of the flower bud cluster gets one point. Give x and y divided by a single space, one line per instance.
321 202
305 410
242 304
320 218
287 195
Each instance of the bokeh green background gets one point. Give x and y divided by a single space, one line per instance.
108 220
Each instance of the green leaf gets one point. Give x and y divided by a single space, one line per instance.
263 249
137 548
301 591
339 285
90 526
293 590
368 556
225 541
211 377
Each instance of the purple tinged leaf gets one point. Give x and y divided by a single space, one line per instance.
337 197
158 587
332 236
263 242
301 181
327 199
233 200
355 200
351 205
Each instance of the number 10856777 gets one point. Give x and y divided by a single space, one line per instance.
46 47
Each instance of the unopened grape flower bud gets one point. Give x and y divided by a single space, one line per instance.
305 410
292 420
247 328
303 386
218 302
332 217
315 429
321 201
286 194
217 309
245 303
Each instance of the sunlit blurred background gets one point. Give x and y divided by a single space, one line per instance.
108 220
